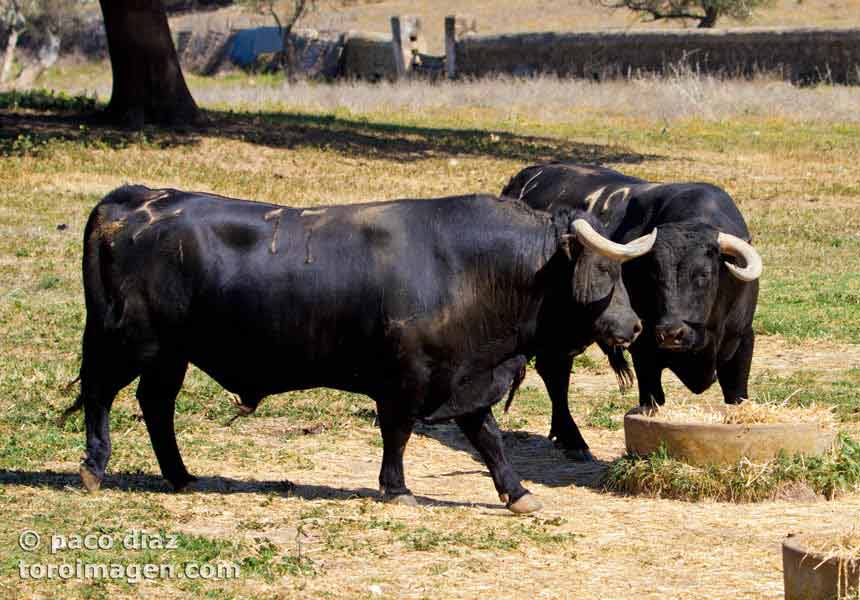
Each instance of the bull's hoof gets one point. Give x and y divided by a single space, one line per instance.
579 455
525 505
90 480
401 499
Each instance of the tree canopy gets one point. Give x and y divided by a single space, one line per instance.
706 12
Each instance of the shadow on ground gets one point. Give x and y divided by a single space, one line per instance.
27 131
534 457
216 484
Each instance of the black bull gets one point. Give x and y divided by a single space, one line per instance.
695 302
430 307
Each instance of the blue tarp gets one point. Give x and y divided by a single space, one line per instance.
250 43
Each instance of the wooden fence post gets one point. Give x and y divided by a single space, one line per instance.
451 46
397 47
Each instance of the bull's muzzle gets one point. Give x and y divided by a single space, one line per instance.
624 340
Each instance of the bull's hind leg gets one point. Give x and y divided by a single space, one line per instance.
100 383
396 428
97 401
734 374
156 394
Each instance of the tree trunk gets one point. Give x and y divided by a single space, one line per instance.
9 56
710 18
148 86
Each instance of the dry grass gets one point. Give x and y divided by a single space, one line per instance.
749 412
548 100
289 494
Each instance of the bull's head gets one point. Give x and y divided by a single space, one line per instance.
597 283
677 284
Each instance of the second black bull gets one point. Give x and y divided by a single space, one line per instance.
696 293
430 307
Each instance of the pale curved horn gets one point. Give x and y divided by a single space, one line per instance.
735 246
587 236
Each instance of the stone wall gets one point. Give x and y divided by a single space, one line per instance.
368 56
802 55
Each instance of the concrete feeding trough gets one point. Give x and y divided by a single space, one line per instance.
815 571
718 437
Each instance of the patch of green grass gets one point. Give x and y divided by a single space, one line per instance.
48 281
660 475
604 415
269 561
48 100
584 361
806 388
811 306
31 448
203 549
541 533
529 401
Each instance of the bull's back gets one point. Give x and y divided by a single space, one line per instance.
249 290
627 206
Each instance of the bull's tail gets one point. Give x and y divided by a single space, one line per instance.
95 295
77 405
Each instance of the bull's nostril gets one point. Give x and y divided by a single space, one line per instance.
637 329
670 335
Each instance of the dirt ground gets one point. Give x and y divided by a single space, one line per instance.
618 547
624 547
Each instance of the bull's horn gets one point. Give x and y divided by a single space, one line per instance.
587 236
735 246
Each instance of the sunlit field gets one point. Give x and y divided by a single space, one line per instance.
289 494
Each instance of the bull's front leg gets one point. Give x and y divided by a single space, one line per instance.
156 394
734 374
483 432
554 369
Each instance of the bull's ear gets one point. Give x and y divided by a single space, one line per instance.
581 282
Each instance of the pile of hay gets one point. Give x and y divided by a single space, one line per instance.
747 413
786 477
845 547
844 550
